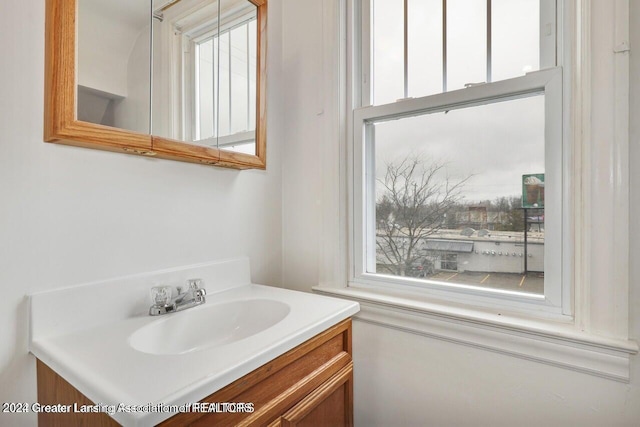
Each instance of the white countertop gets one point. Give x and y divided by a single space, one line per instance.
98 360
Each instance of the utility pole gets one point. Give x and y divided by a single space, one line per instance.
526 229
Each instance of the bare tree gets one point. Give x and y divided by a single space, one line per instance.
412 206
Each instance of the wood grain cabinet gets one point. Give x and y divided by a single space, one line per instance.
310 385
328 405
62 79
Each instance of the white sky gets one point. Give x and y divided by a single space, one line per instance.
496 143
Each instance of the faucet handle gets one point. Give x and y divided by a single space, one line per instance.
195 284
196 289
161 295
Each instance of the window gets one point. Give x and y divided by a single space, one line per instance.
416 48
206 67
458 150
449 262
231 93
574 313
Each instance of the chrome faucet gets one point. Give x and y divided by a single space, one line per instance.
163 302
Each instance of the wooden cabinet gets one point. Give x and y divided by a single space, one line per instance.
61 123
328 405
310 385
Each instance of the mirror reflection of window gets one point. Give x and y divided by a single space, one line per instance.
114 63
229 88
213 76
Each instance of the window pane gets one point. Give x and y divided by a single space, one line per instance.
515 35
466 42
242 148
239 80
205 90
253 40
517 45
425 47
449 195
388 50
224 85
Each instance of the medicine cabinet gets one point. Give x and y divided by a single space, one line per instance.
174 79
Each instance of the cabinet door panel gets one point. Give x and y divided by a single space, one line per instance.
331 404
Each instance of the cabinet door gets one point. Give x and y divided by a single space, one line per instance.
87 106
331 404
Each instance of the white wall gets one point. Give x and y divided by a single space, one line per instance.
312 221
104 47
634 208
408 380
485 261
132 112
405 379
71 215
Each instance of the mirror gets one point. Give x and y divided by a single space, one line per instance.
205 92
114 63
176 79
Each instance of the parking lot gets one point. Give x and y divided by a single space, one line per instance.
530 283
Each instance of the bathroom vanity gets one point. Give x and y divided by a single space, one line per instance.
250 355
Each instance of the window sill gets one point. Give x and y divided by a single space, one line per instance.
554 343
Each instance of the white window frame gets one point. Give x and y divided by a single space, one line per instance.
557 290
595 341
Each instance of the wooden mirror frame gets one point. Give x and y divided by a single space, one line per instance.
61 125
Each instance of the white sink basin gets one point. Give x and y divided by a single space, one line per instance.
111 351
208 326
